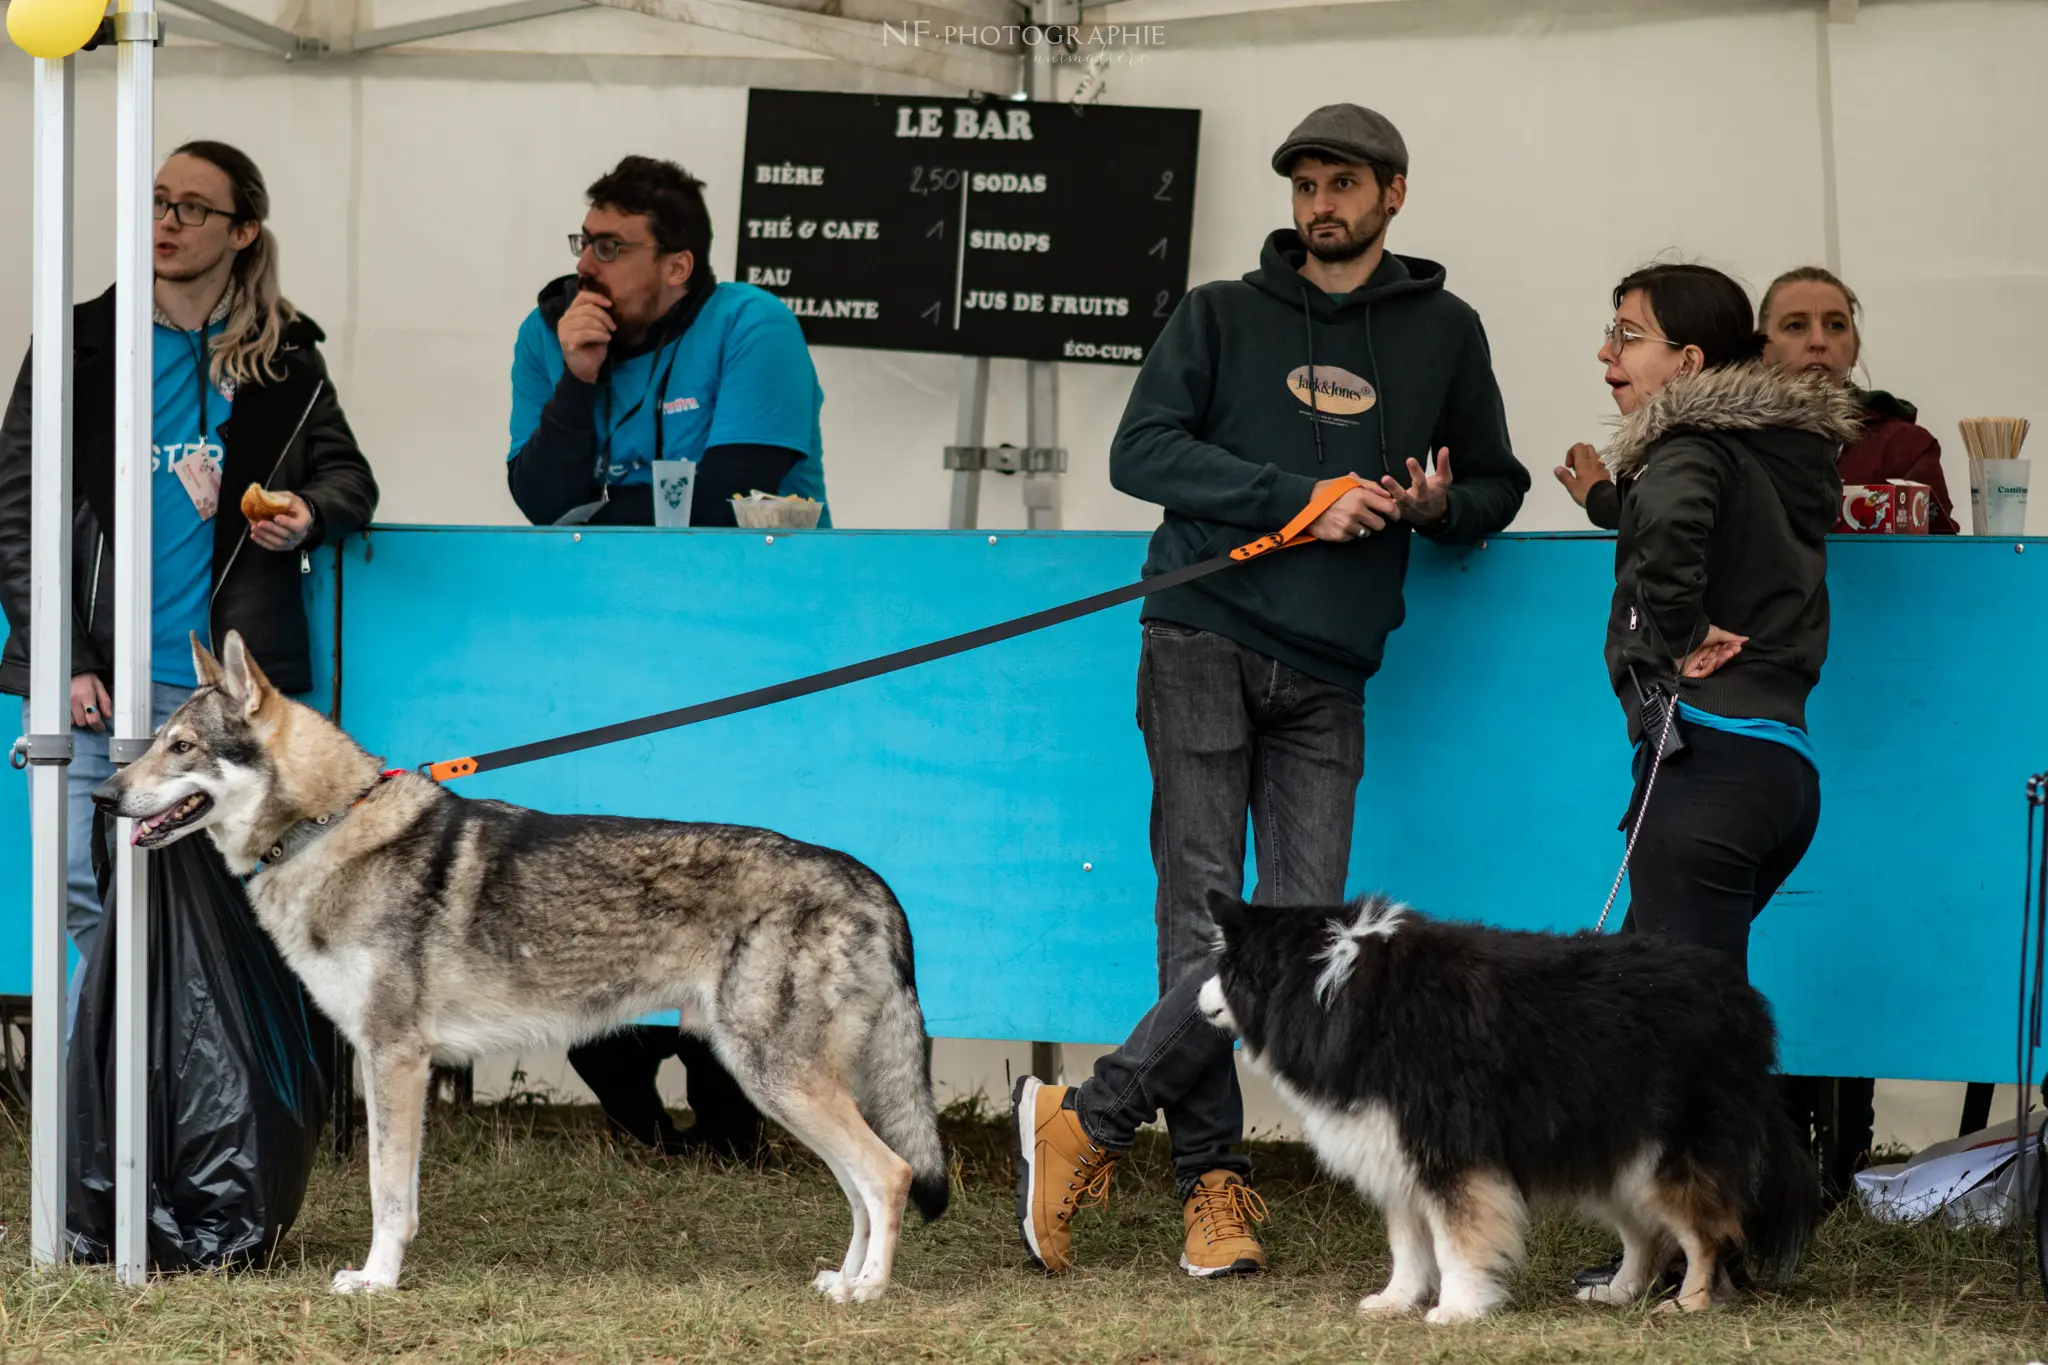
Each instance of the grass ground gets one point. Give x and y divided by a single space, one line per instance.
541 1241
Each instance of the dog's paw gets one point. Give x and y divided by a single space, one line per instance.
1384 1305
1686 1303
358 1282
836 1287
1446 1315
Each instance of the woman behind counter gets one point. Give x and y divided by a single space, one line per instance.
1809 321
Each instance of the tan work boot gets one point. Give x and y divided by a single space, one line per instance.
1219 1214
1059 1169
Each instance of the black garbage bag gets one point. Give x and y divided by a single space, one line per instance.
237 1091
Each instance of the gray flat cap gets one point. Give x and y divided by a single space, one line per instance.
1345 132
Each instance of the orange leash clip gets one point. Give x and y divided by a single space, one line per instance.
1296 532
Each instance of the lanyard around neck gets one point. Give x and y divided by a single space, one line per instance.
657 385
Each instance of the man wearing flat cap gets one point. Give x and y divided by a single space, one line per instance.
1334 357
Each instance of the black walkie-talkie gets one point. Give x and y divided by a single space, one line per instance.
1656 707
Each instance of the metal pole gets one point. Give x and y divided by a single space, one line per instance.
1042 411
1042 420
969 430
49 704
1042 382
134 280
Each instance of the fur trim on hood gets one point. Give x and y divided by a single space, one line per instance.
1744 397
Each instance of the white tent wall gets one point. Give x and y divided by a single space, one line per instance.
422 198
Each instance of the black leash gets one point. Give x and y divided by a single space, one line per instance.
1293 534
820 682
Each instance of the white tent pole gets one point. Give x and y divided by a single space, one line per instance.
48 749
1042 377
134 280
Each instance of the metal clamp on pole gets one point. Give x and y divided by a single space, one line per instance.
124 751
40 749
127 27
139 26
1008 459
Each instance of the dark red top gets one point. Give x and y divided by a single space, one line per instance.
1895 446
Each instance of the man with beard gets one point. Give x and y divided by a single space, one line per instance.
642 357
1335 356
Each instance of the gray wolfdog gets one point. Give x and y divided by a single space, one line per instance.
432 927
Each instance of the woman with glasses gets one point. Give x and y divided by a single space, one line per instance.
1809 319
240 397
1721 486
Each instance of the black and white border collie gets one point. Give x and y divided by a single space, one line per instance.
1458 1074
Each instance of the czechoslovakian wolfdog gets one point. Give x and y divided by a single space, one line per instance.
1457 1073
432 927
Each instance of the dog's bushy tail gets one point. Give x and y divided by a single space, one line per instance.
896 1095
1786 1206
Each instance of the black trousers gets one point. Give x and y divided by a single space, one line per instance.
1728 821
620 1070
1835 1115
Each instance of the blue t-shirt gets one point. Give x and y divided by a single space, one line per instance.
189 410
740 374
1772 731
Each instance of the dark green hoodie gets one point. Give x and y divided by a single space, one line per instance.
1219 432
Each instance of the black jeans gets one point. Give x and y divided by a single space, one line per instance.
1230 733
620 1070
1728 821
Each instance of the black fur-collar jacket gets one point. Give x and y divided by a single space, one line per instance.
1725 490
288 435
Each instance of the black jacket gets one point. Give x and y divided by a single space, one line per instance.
1220 432
1725 490
289 435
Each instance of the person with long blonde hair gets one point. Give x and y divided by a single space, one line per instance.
241 400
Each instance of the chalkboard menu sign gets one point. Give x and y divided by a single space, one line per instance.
992 227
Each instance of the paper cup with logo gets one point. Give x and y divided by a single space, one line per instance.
2004 484
674 483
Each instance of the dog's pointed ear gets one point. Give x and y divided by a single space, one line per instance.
241 678
1230 916
204 666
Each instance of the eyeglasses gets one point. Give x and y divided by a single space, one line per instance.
1619 337
193 215
606 249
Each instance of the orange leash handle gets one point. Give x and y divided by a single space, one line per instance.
1295 532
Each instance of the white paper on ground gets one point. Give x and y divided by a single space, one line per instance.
1973 1179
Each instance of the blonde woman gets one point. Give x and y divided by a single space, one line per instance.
1811 323
241 397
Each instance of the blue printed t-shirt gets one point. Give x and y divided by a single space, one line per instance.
189 410
740 374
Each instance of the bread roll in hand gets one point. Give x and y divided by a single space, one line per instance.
260 505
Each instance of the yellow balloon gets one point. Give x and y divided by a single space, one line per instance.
53 28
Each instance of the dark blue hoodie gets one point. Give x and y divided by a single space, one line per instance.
1221 433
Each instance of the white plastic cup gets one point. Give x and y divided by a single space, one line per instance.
675 481
2002 487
